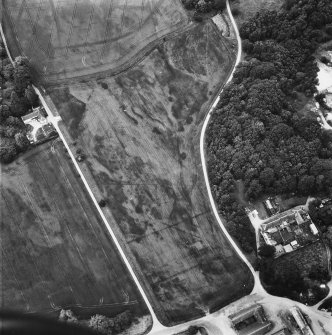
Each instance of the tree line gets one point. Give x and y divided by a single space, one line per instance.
203 6
287 276
100 323
16 98
255 134
321 215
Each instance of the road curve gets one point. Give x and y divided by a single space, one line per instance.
55 120
157 326
215 323
257 286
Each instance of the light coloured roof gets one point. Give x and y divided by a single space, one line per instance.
246 313
283 331
288 248
256 329
30 116
314 229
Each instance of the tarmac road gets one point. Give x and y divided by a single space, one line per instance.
216 323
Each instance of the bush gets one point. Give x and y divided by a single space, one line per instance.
8 150
122 321
108 326
236 12
204 6
266 250
324 60
101 324
102 203
17 95
66 315
22 143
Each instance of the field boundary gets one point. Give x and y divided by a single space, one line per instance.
90 178
257 284
213 103
99 69
55 118
136 59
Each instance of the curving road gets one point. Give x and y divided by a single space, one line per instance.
157 326
216 323
257 287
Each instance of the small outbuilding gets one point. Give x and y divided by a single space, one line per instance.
288 248
284 331
314 229
251 321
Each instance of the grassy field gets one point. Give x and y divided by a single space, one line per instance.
140 131
65 39
56 252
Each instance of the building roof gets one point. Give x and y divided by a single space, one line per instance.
30 116
284 219
251 321
246 313
297 314
279 249
314 229
256 329
284 331
268 204
288 248
298 217
294 243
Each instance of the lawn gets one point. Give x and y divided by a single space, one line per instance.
140 132
65 39
56 251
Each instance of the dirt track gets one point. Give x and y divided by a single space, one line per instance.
140 131
66 39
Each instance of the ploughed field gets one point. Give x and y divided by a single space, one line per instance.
65 39
140 133
56 252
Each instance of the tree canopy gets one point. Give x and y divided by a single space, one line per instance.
17 96
109 326
255 134
204 6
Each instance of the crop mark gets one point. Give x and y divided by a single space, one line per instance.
39 213
33 25
73 190
11 265
55 23
87 33
19 12
107 28
71 28
14 218
141 16
61 216
54 208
